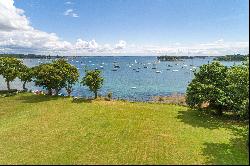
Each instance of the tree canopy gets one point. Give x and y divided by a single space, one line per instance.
93 80
10 69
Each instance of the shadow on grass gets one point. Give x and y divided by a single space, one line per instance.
38 98
236 151
82 100
205 119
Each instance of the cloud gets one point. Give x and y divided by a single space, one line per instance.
70 12
121 44
68 3
218 47
12 18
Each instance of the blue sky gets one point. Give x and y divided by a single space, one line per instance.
141 23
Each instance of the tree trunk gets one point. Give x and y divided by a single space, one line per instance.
57 91
69 91
219 112
8 85
24 83
50 91
95 95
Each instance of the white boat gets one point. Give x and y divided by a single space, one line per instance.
101 66
135 61
175 70
129 66
158 71
185 65
133 87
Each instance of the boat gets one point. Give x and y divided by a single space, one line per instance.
135 61
137 71
133 87
114 69
175 70
145 67
116 66
154 67
129 66
101 67
158 71
168 69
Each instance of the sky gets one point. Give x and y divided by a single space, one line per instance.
129 27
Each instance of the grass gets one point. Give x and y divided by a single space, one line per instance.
55 130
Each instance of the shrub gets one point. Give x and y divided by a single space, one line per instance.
208 86
224 89
160 99
110 95
238 90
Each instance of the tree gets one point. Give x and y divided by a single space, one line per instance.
238 90
9 69
25 75
209 86
46 76
56 75
93 80
68 72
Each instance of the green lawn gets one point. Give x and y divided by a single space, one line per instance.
55 130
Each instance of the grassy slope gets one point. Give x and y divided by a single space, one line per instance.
50 130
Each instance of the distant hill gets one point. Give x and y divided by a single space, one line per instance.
29 56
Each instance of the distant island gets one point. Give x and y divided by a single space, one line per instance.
177 58
235 57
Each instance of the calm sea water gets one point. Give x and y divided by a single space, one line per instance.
131 81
